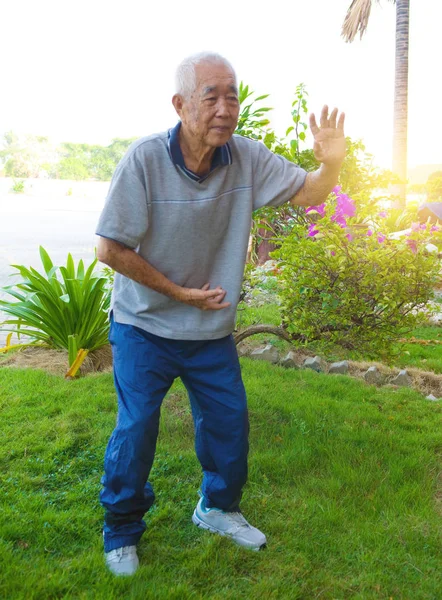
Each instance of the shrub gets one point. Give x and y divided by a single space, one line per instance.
68 312
18 186
349 285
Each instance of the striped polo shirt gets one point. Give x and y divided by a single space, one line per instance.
192 229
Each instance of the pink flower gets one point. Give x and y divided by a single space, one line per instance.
312 231
415 226
333 253
381 238
382 214
339 219
349 237
320 209
346 206
369 232
412 244
435 228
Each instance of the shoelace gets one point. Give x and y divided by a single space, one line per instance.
236 518
121 552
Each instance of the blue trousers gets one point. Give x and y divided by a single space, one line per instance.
145 367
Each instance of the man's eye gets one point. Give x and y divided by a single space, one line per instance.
211 99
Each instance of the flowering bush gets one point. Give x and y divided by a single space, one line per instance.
346 283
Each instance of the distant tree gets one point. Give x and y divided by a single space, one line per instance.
24 156
434 187
417 188
88 161
72 168
10 146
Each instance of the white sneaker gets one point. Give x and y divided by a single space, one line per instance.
231 524
122 561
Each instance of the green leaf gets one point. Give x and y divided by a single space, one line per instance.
45 259
50 310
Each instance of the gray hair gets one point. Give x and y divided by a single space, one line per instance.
185 77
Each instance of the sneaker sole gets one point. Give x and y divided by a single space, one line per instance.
199 523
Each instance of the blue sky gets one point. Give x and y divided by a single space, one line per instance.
92 70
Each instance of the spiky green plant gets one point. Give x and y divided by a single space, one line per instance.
68 311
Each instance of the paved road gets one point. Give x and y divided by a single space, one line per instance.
60 224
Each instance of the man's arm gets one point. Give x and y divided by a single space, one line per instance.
329 150
132 265
317 186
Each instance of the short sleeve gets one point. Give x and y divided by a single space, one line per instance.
124 217
275 179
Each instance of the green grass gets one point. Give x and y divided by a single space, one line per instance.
427 358
252 315
343 479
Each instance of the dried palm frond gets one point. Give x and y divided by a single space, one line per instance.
356 19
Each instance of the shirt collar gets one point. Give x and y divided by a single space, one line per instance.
221 158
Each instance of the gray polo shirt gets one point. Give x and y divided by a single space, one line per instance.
193 230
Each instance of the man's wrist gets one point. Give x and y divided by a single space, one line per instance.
180 294
331 169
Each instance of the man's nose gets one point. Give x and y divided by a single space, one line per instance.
222 108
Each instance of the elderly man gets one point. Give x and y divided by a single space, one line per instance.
175 228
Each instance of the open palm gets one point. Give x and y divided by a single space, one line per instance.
329 139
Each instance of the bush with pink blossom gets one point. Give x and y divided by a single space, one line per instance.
350 284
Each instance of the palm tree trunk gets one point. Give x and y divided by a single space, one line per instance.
401 100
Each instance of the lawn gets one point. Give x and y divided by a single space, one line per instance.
427 358
343 481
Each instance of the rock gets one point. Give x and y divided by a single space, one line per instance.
269 353
340 368
373 376
435 319
403 379
242 350
431 397
314 363
289 361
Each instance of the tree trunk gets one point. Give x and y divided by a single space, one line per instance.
264 246
241 335
401 101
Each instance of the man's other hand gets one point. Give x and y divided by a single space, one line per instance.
204 298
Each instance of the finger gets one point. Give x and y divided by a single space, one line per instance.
341 122
333 116
206 286
212 293
218 298
313 125
218 306
324 116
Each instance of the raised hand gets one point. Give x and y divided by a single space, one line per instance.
329 139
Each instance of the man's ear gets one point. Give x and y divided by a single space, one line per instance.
177 101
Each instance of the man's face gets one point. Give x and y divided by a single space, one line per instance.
210 114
